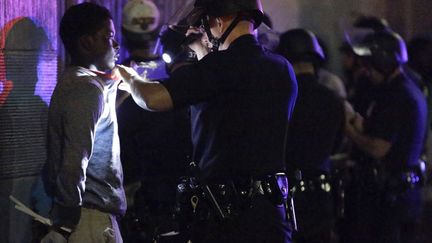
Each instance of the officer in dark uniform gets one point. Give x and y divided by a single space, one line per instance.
315 130
420 68
155 147
359 88
241 98
391 137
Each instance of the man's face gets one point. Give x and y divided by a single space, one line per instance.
106 48
375 77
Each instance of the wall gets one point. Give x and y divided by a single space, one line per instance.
28 71
324 17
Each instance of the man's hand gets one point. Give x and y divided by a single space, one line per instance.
201 46
353 120
54 237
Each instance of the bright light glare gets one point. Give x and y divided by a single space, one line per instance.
167 58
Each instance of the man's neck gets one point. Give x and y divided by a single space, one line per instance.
242 28
86 64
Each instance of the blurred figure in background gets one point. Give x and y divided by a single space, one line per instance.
359 89
327 78
420 68
155 147
315 130
385 193
266 35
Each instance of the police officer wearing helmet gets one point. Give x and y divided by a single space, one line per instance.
241 98
360 90
391 137
155 147
315 130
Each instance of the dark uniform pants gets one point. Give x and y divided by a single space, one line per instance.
380 214
262 222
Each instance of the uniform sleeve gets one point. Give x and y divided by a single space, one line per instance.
83 107
193 83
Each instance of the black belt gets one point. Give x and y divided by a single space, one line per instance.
319 182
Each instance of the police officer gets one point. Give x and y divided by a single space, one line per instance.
360 91
420 67
391 138
315 130
241 99
156 147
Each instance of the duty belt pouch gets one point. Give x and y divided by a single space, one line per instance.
275 187
188 196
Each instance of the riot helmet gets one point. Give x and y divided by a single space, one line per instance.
172 40
371 22
250 10
361 26
218 8
300 45
383 50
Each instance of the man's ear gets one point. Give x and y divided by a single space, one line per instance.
219 23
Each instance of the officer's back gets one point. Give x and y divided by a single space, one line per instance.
245 118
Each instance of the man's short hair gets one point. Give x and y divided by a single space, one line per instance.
79 20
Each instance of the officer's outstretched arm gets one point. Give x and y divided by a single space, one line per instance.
375 147
149 95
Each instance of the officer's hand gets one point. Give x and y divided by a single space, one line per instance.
353 120
127 75
201 46
54 237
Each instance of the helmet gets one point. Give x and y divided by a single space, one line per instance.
385 50
371 22
300 45
140 16
217 8
362 25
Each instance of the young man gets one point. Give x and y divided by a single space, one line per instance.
83 172
241 99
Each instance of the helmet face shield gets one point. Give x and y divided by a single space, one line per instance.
385 50
355 38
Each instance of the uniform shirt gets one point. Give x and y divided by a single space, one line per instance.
241 102
398 116
315 127
83 164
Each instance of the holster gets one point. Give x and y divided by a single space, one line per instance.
226 200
